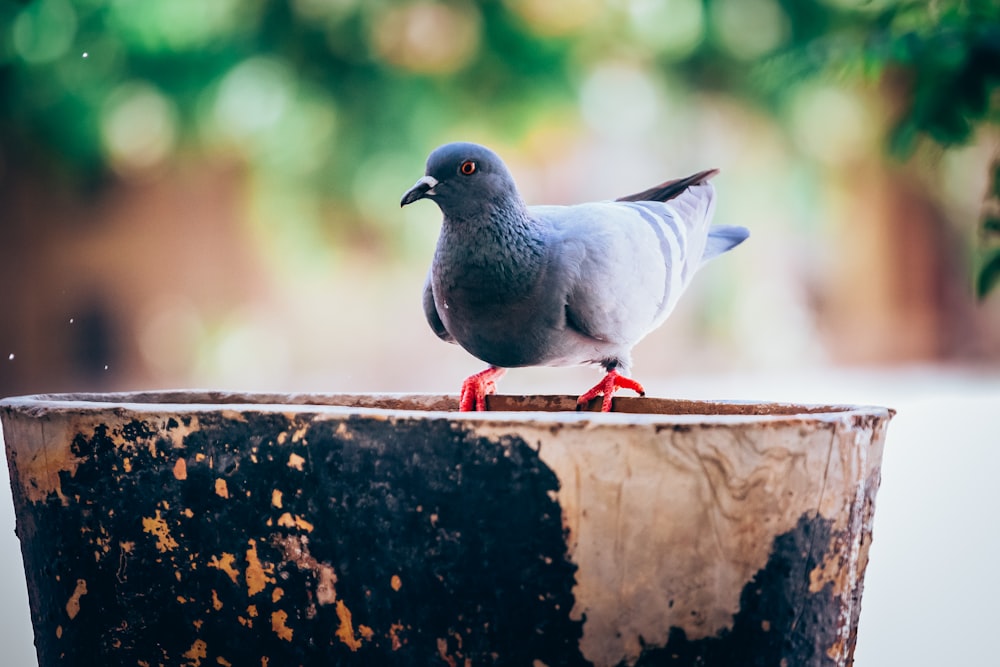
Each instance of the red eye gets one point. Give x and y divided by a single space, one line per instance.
468 168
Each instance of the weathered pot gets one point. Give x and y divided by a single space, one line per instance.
225 529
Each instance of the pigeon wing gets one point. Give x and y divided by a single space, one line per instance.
431 313
632 261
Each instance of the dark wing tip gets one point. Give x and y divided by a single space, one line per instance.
670 189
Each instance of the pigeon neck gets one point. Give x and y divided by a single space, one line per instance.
501 244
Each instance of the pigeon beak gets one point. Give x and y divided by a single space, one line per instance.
423 188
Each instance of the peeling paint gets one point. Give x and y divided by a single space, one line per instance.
286 520
257 574
296 550
157 527
216 602
278 619
276 498
394 638
295 461
396 582
300 433
345 631
221 489
73 605
198 650
277 593
225 564
180 469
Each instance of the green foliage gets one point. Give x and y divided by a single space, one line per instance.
939 60
311 93
66 67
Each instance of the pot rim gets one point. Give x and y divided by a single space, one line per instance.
501 408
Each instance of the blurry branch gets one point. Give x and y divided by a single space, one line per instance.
941 60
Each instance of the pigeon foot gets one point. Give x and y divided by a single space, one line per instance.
476 387
607 387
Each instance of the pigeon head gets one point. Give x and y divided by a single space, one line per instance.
465 179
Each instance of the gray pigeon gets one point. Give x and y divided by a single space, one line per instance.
519 285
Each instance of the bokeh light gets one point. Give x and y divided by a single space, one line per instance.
138 127
427 37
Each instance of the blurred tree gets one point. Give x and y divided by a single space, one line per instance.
941 59
309 93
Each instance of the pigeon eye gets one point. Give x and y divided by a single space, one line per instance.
468 168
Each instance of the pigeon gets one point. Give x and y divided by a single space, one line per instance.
518 285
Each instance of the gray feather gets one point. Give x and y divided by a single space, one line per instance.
558 285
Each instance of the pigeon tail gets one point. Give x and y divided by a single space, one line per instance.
476 387
723 238
670 189
607 387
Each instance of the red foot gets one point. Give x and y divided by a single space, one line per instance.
606 387
476 387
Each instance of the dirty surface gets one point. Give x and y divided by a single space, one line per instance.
327 546
240 534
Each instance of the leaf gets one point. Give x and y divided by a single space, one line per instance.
989 275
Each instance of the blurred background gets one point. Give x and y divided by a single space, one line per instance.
205 194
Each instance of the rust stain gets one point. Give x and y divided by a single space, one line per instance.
276 498
836 652
396 582
127 464
198 650
157 527
252 611
278 619
187 512
216 602
295 549
181 469
295 461
365 632
226 565
221 489
222 661
197 624
831 570
199 457
180 598
264 661
257 574
286 520
277 594
345 632
58 632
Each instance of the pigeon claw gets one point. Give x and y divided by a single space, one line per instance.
607 387
477 387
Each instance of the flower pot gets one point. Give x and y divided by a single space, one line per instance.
187 528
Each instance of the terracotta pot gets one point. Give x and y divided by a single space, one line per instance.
228 529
